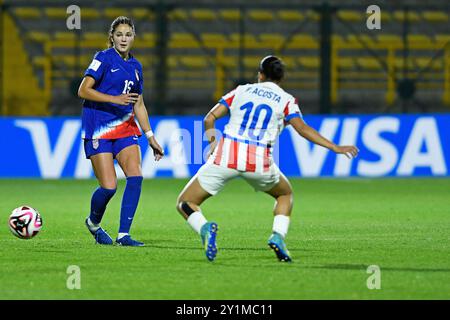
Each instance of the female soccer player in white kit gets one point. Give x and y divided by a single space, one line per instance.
258 114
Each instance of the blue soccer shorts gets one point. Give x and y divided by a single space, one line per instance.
114 146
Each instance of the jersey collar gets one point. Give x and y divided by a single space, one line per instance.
270 84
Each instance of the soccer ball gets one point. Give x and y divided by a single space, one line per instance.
25 222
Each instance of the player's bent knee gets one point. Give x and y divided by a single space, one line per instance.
184 207
109 185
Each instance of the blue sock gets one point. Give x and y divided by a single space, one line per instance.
129 203
99 200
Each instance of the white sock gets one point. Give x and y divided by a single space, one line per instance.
92 226
281 224
121 235
196 220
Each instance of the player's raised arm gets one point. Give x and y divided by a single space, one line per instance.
86 91
217 112
142 117
312 135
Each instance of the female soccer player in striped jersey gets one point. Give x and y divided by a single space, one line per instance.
112 90
258 114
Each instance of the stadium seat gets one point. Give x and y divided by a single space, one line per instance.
358 38
38 36
194 62
230 14
71 61
95 36
442 39
350 15
428 62
142 14
290 15
435 16
56 13
67 35
203 14
67 60
386 16
172 62
301 40
145 60
260 15
178 14
94 39
312 15
112 13
345 63
229 62
27 13
249 39
419 38
214 39
289 62
309 62
337 39
90 14
140 42
183 40
389 38
272 39
412 16
399 63
148 61
251 62
39 61
368 63
148 37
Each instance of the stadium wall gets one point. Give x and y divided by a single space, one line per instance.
390 146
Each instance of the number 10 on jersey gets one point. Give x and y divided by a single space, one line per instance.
248 107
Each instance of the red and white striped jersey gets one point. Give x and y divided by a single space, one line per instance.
258 114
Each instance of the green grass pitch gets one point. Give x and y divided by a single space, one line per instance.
339 227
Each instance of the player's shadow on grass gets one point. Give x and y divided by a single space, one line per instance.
364 267
152 244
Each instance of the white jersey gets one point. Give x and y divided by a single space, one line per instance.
258 114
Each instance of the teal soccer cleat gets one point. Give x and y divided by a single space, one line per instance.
276 243
208 234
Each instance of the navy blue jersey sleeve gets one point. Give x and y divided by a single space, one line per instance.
97 67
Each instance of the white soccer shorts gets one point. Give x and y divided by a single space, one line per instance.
213 177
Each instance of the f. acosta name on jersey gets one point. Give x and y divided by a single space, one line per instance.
264 93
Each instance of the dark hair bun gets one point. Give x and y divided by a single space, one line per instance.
272 67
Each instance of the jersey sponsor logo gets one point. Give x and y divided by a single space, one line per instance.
95 64
390 145
114 70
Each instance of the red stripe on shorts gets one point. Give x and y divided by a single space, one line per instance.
266 160
233 156
219 153
251 158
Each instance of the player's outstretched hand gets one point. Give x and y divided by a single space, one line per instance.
348 151
158 152
126 99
